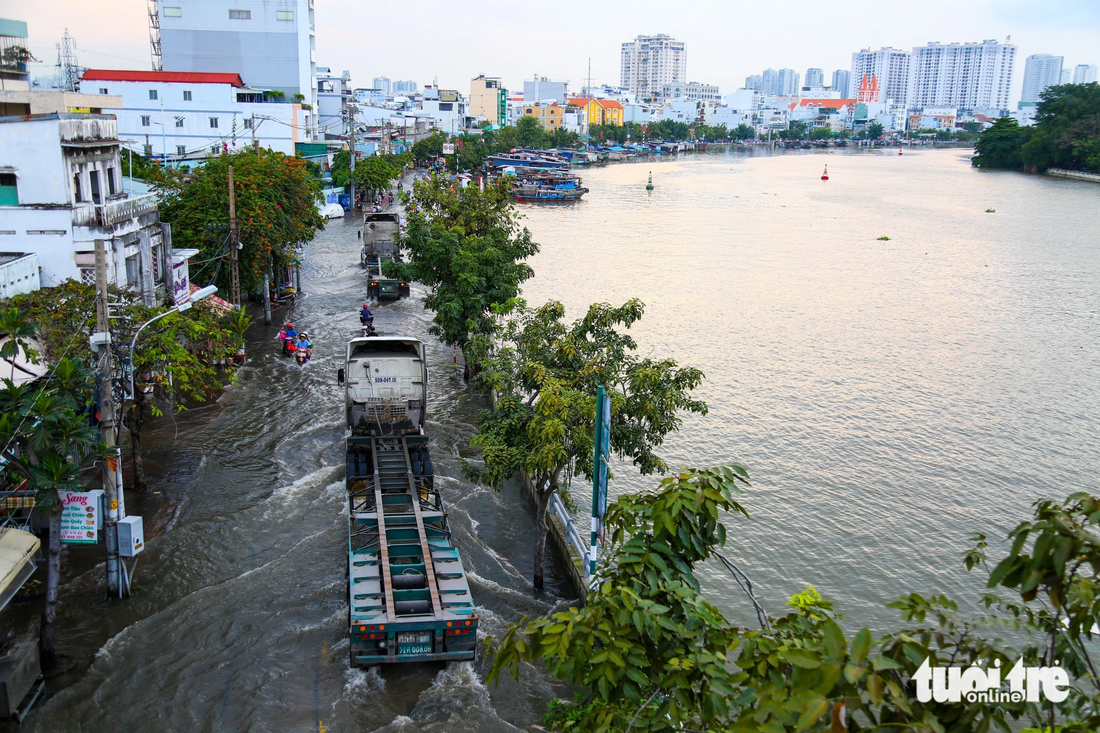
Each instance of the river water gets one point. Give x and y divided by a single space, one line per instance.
887 396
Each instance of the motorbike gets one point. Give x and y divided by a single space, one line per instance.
288 346
303 354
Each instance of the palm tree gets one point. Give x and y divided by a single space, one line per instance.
14 322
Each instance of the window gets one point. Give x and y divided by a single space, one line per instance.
248 123
133 271
76 188
446 106
87 275
112 187
9 190
179 122
186 96
214 122
93 180
213 149
284 15
173 12
181 150
145 120
103 90
152 94
240 15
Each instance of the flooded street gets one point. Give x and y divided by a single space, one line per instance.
240 619
896 366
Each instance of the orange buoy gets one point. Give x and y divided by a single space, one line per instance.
825 175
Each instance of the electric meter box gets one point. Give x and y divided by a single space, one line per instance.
131 536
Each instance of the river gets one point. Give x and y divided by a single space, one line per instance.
887 396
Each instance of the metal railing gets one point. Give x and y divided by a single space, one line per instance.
114 212
572 534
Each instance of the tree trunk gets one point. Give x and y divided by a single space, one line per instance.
542 527
135 422
46 648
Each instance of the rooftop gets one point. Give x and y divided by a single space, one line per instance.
166 77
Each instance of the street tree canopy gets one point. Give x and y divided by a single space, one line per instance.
546 372
276 201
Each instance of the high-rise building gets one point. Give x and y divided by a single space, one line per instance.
1041 70
962 75
755 82
842 82
268 42
1065 76
1084 73
382 84
651 62
787 85
815 78
405 87
890 66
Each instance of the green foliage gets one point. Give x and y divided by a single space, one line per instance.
341 168
655 656
821 133
744 132
1000 144
276 200
1067 129
795 131
875 130
377 172
428 147
466 246
15 325
145 169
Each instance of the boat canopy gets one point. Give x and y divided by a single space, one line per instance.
17 553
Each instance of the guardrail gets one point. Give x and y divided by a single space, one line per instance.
114 212
572 534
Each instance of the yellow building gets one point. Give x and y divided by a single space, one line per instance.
548 115
600 111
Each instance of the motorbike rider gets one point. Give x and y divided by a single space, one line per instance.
365 316
303 343
371 331
288 331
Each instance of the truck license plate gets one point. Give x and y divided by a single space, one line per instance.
414 642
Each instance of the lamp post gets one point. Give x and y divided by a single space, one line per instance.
185 305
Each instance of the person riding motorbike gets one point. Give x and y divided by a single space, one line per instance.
287 336
365 316
303 344
371 331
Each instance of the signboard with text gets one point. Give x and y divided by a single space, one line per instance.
80 517
448 148
181 282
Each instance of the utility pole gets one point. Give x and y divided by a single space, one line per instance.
351 150
267 294
234 236
112 484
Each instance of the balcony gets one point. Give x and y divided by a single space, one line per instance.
18 273
114 212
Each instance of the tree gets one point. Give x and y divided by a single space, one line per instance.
875 130
428 147
744 132
14 324
467 247
1067 129
1000 144
276 201
377 172
47 441
530 133
545 374
341 168
821 133
796 130
179 360
654 655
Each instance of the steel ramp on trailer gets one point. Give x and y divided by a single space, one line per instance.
409 599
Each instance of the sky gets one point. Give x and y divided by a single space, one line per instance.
725 41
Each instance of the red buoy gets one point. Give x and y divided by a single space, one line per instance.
899 152
825 175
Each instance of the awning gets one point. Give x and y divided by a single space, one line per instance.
17 553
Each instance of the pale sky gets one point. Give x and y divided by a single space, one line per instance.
513 40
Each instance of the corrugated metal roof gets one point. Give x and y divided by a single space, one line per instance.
169 77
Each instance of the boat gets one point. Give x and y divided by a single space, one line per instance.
537 161
548 188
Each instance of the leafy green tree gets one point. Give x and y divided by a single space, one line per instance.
276 201
428 147
466 211
14 325
545 374
745 132
47 442
1067 129
341 168
821 133
875 130
180 360
138 166
795 131
530 133
655 655
1000 144
376 173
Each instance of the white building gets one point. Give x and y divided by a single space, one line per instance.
962 75
1041 70
651 62
719 114
814 78
333 93
1084 73
185 116
889 65
446 108
541 89
692 90
269 42
63 189
682 111
842 82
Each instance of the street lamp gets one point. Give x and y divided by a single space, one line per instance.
185 305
